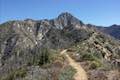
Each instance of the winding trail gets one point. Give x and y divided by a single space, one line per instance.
80 74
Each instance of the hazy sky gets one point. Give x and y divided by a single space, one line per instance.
99 12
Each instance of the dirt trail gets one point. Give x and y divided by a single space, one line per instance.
80 74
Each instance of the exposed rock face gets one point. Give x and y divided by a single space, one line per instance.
66 19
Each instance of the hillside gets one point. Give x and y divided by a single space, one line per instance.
113 30
30 49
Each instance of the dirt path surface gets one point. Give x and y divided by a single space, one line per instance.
80 74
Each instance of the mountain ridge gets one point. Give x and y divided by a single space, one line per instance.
32 44
112 30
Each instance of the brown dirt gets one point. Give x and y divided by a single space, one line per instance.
80 74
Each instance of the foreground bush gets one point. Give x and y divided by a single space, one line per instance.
67 73
19 73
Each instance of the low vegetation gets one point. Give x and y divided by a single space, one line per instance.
67 73
19 73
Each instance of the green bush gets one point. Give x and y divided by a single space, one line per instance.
8 77
88 56
97 55
67 73
44 57
93 58
95 65
40 57
19 73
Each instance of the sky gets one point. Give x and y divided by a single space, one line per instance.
97 12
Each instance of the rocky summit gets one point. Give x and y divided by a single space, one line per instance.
31 50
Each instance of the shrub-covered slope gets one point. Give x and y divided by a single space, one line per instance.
31 48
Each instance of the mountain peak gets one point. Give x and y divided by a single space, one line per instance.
65 14
29 20
67 18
